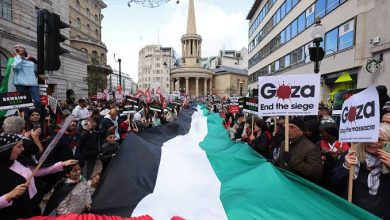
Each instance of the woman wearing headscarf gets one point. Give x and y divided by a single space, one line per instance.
16 197
371 179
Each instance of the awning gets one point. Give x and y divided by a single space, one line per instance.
345 77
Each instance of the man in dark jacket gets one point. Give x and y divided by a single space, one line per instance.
303 158
89 148
241 126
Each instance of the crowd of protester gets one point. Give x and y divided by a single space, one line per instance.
72 171
316 154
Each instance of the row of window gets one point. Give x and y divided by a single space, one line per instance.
78 26
302 22
283 10
6 9
88 11
340 38
260 17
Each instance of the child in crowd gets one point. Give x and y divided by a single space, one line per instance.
108 149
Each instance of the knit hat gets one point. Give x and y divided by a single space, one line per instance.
330 128
8 140
387 105
299 123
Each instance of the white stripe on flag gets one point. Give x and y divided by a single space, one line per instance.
186 184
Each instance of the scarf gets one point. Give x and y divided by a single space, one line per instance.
373 163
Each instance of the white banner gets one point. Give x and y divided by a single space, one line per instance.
289 95
359 119
53 104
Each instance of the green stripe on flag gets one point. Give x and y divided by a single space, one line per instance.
252 188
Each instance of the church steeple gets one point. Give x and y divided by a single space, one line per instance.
191 41
191 22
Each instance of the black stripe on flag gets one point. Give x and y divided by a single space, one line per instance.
132 173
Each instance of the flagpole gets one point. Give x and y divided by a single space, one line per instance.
286 137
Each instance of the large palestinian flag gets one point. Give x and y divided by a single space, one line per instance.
191 169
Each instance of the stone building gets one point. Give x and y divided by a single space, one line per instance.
18 26
85 18
191 76
154 65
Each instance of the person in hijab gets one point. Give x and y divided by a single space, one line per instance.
16 197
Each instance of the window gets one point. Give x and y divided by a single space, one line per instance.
320 8
346 35
301 22
88 28
88 12
288 6
6 9
277 65
277 17
294 28
331 4
300 54
3 65
331 41
282 63
272 67
78 5
288 33
294 57
310 15
287 60
307 55
283 11
78 23
282 37
294 3
97 33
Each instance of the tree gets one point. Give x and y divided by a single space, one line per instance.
231 90
96 78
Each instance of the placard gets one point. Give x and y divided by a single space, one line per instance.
43 94
99 95
134 101
289 95
234 109
52 102
359 119
15 100
250 105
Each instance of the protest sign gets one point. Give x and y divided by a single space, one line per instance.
53 103
99 95
250 105
339 99
234 109
15 100
134 101
289 95
43 94
359 119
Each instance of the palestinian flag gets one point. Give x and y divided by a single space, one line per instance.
7 85
190 168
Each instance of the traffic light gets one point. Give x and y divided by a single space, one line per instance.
53 38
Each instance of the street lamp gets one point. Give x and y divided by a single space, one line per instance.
317 53
120 72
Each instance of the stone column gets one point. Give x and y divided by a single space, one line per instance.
205 87
197 87
211 86
172 84
187 85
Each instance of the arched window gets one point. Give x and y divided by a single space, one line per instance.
94 57
88 28
78 23
78 5
96 18
97 33
88 12
103 58
3 64
6 9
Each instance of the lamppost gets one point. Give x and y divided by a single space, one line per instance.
120 73
317 53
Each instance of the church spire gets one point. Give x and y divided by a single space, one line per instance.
191 22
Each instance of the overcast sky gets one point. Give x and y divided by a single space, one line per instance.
125 30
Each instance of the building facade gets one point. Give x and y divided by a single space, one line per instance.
232 58
128 83
85 17
154 65
18 26
356 41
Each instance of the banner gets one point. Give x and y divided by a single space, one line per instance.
250 105
289 95
52 102
15 100
359 120
134 102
